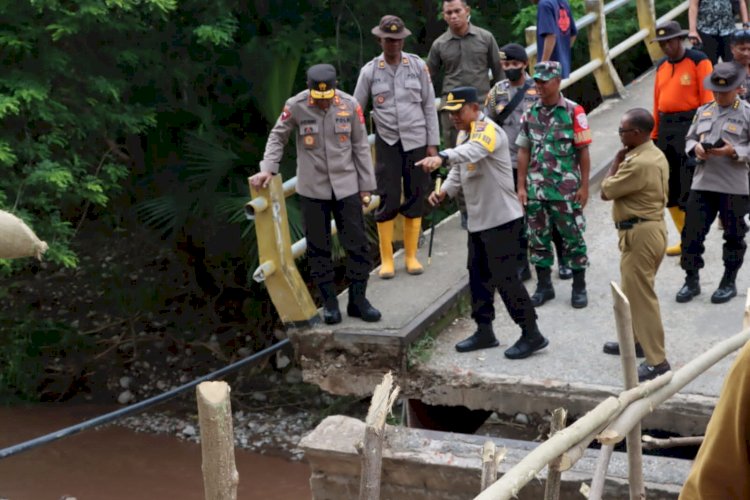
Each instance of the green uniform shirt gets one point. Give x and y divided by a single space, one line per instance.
553 135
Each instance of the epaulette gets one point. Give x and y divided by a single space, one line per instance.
695 55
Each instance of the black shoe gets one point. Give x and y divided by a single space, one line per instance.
524 274
579 298
483 338
614 349
690 289
331 315
526 346
359 306
565 273
648 372
724 294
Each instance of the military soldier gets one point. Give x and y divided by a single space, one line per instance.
482 170
403 103
553 181
506 103
720 138
334 177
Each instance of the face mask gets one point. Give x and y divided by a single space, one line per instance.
514 74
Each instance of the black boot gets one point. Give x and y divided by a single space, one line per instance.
727 288
578 297
483 338
690 289
331 313
524 273
531 340
564 272
544 290
359 306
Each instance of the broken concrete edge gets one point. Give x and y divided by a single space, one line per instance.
683 414
445 464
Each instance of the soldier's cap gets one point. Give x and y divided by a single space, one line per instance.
547 70
669 30
725 76
321 80
458 97
513 52
391 27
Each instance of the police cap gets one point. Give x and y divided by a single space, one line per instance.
513 52
458 97
726 76
321 80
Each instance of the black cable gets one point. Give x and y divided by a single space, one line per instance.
137 407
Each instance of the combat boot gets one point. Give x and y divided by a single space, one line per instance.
531 341
331 313
483 338
359 306
544 290
690 289
578 297
727 288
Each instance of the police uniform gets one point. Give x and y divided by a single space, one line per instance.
481 169
333 167
554 137
720 185
403 104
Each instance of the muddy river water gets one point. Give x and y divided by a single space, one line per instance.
114 463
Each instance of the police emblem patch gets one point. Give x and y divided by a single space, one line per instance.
285 115
380 99
360 114
582 121
381 64
343 138
309 140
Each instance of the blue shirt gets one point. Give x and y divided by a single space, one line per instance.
554 18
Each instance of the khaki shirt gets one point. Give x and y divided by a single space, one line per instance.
498 99
721 174
640 186
466 60
722 467
481 168
403 101
333 156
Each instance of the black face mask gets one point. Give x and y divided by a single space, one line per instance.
514 74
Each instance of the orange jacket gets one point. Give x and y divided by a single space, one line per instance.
679 85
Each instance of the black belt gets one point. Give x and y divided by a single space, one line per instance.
677 117
629 223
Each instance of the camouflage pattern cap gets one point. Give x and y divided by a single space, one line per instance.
547 70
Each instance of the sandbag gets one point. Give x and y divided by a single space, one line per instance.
17 239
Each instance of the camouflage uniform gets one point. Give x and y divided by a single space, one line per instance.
553 137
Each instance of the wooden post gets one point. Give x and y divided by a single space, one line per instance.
552 487
372 449
530 34
606 75
278 270
647 20
489 465
220 477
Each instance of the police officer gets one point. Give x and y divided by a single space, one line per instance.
403 103
334 177
553 181
720 139
506 103
481 169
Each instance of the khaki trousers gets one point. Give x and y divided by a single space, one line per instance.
642 250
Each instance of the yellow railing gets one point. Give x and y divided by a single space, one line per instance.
267 207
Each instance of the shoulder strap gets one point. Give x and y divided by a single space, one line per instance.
513 104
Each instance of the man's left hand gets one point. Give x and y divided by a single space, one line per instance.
582 196
726 150
365 197
430 163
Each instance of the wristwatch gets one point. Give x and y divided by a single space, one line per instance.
444 156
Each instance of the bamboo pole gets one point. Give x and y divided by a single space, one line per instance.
606 76
621 425
530 35
647 20
372 449
652 443
552 486
220 477
489 465
600 473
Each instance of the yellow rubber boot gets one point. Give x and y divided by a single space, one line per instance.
411 238
678 216
385 235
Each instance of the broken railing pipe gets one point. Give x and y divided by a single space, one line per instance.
263 271
254 206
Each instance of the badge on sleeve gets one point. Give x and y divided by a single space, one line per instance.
360 114
484 135
286 114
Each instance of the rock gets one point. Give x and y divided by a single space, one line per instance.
282 360
125 382
293 376
244 352
161 385
125 397
259 396
189 431
522 418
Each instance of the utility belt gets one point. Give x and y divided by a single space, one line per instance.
629 223
677 117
